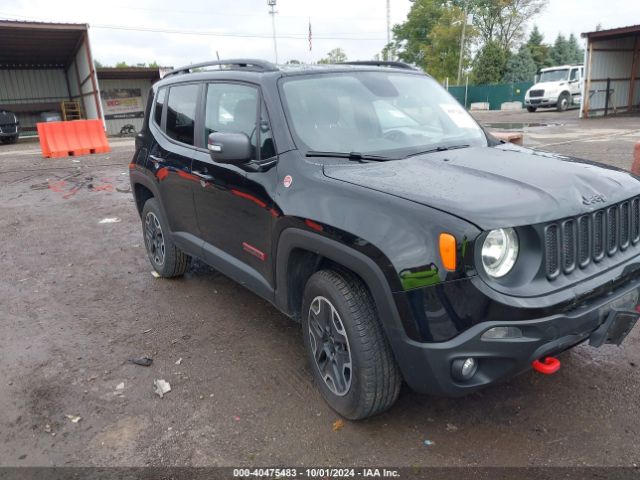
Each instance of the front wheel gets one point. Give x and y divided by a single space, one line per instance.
563 102
531 109
165 257
350 356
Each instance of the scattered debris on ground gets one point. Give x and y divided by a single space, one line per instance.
110 220
337 425
428 443
142 361
161 387
73 418
179 361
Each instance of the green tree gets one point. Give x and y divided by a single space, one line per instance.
122 64
97 63
293 62
521 67
560 51
539 50
490 63
154 64
576 53
503 21
336 55
430 38
411 36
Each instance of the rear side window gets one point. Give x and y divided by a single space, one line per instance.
181 113
159 105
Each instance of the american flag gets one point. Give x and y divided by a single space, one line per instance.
309 33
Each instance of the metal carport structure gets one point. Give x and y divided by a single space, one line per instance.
44 64
612 71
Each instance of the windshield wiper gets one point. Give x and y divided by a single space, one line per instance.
437 149
353 156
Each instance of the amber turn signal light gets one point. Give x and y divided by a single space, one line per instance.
448 251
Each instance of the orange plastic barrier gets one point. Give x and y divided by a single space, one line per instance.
635 166
77 137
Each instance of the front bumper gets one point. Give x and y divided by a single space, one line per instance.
426 367
540 102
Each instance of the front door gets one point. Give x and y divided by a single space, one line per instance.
233 206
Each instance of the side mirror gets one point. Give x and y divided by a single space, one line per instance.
226 147
536 78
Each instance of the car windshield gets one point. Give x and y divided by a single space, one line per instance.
391 114
554 75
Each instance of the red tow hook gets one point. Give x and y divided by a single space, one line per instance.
548 365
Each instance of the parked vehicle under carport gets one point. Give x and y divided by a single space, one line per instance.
9 127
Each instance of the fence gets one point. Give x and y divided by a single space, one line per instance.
495 95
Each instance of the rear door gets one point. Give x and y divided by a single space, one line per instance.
170 158
233 205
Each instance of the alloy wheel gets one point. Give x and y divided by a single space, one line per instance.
330 346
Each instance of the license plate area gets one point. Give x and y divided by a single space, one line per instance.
620 316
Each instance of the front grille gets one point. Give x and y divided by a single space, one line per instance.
8 128
576 242
536 93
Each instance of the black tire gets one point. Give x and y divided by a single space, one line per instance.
166 259
564 101
9 140
531 109
374 378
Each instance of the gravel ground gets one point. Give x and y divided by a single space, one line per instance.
77 300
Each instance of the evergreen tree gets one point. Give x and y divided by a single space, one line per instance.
576 52
520 67
490 64
560 52
539 50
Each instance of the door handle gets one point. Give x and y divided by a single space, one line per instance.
203 176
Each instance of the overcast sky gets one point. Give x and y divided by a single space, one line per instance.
357 26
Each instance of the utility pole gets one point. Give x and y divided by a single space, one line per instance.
464 27
388 29
272 12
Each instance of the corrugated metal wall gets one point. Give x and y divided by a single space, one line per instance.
20 87
615 65
114 125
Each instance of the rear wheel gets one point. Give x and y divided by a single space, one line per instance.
564 100
167 259
350 357
531 109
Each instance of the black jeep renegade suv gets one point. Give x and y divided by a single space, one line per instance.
365 203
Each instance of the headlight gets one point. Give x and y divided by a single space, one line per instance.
500 251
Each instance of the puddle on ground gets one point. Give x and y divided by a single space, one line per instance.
520 125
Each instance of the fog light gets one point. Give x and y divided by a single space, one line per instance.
464 368
497 333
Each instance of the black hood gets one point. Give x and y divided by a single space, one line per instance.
498 186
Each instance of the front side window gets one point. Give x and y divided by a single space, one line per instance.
574 74
376 113
231 108
181 113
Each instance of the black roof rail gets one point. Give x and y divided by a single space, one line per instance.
242 63
381 63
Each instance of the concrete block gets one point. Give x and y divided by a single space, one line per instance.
516 138
511 106
479 106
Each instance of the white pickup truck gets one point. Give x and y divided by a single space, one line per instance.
559 87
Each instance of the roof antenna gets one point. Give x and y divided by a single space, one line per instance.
218 57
